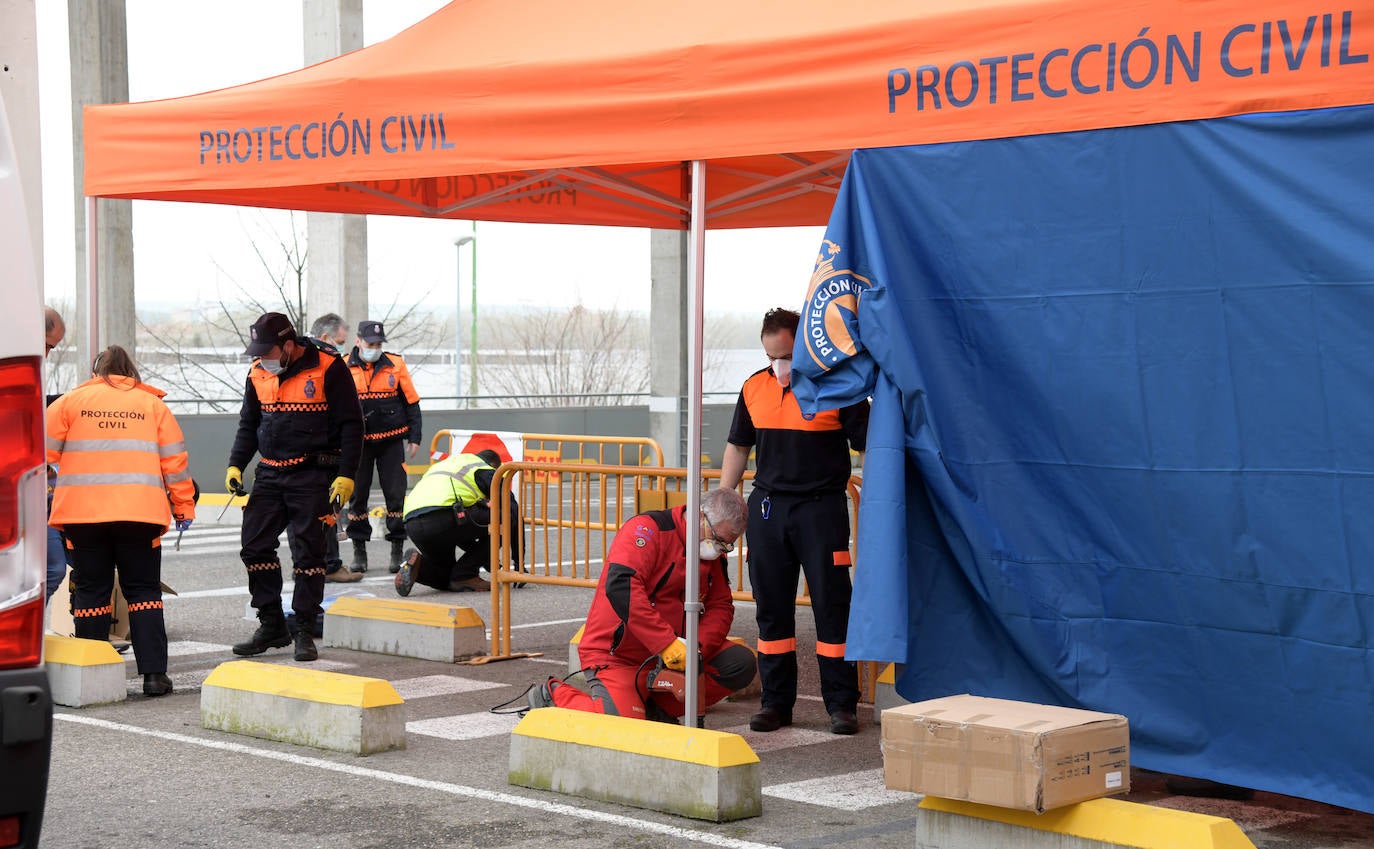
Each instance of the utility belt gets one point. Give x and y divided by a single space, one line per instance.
798 496
323 459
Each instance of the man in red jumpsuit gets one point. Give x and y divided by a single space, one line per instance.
636 618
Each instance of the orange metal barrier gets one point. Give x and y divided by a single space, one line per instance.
602 450
570 448
570 512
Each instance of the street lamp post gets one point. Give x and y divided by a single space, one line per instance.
472 330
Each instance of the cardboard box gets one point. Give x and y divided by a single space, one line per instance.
1010 754
60 610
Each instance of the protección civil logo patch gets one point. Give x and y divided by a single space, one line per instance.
832 309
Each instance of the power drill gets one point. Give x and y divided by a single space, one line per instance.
674 683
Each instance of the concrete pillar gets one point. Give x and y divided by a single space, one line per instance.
668 343
97 35
19 90
336 245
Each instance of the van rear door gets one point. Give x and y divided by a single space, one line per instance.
25 698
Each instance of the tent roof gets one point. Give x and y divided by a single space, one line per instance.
584 112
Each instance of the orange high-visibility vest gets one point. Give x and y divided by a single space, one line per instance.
295 413
385 389
120 456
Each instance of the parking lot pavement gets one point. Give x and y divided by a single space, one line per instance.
144 773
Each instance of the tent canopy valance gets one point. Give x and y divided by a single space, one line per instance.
584 112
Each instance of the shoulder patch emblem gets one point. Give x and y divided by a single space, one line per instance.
310 388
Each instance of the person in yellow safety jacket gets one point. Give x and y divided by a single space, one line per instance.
122 478
448 510
300 413
391 435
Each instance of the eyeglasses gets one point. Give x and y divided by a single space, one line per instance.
721 545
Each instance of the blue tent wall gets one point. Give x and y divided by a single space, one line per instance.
1123 388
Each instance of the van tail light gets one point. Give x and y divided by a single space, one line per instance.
21 436
23 512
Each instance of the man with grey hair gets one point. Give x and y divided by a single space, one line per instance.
330 329
636 621
331 332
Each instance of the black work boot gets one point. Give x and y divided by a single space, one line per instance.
305 643
271 633
156 684
359 555
396 555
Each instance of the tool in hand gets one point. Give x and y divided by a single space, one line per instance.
237 492
674 683
332 517
182 526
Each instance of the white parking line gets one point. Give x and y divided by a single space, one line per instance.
440 685
570 811
851 792
467 726
181 648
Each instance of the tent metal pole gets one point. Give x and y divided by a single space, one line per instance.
92 282
696 272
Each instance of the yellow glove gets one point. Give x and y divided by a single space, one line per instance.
675 656
233 479
341 490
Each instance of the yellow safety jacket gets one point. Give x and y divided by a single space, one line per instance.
448 482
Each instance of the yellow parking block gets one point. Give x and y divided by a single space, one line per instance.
692 772
1112 821
310 685
73 651
406 612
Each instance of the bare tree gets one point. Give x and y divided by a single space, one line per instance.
200 359
574 355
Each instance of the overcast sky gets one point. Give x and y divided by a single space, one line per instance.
196 252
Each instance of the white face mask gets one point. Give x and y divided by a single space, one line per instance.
273 366
782 369
369 355
708 550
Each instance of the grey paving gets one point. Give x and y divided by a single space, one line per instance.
146 774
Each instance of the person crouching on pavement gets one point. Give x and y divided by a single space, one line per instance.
300 413
448 510
636 617
122 479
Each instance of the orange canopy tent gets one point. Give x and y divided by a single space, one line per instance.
708 114
549 111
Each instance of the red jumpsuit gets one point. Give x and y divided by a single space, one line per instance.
637 612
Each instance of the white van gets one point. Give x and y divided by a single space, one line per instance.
25 698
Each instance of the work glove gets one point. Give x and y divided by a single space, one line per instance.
675 656
340 490
184 524
233 480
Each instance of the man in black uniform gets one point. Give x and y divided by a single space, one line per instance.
300 412
797 516
391 435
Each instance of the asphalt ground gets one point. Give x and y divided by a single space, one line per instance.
144 773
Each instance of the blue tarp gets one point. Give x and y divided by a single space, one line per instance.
1123 407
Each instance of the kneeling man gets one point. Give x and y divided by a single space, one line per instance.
637 620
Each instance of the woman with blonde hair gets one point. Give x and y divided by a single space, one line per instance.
122 479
